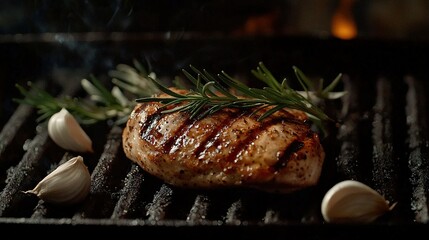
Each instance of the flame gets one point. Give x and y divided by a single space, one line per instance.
343 24
263 24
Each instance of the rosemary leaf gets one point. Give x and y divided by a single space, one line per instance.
332 85
219 87
201 100
208 94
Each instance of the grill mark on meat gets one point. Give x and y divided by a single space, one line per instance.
286 155
251 136
212 139
147 133
146 129
218 150
254 133
182 130
140 108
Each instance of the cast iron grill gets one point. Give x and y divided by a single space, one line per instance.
382 140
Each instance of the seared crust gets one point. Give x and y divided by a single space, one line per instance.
225 149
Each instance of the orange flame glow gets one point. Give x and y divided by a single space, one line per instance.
343 25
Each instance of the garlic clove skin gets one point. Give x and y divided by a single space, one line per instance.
66 132
351 201
68 184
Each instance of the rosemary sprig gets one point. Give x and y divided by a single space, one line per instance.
86 112
102 105
313 91
134 80
211 94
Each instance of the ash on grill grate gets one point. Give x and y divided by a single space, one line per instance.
349 161
382 140
418 143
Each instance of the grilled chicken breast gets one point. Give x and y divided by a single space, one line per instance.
226 149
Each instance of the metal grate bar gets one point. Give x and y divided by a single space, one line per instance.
14 134
157 209
234 213
384 174
365 148
129 197
30 170
271 216
106 179
418 143
349 159
199 210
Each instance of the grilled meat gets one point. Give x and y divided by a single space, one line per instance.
225 149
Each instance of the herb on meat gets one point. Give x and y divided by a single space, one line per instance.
210 93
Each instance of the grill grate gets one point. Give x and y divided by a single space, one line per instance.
382 140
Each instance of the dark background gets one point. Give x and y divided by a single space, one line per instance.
61 41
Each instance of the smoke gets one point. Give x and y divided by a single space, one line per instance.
81 16
78 30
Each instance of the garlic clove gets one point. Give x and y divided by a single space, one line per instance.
66 132
69 183
351 201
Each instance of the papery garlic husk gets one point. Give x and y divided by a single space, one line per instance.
66 132
69 183
351 201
